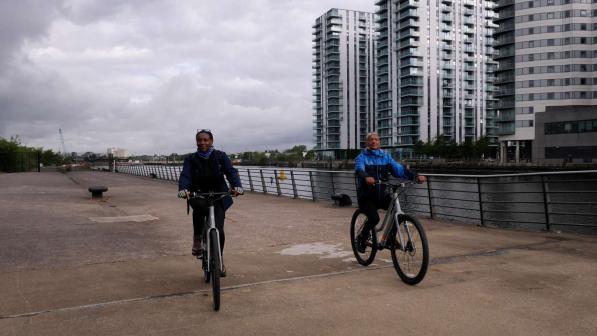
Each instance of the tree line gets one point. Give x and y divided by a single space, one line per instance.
446 149
14 156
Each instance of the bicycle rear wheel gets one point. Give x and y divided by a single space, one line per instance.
412 259
356 227
215 268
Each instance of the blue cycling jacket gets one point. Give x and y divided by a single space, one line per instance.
377 164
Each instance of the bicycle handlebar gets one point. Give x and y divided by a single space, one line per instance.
212 195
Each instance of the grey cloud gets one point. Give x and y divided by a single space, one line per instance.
144 75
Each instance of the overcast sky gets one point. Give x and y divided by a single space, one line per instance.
144 75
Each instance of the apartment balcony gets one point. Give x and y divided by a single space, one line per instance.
446 65
409 33
381 18
446 27
409 4
468 31
447 47
468 68
505 128
468 40
447 56
412 91
447 75
445 8
411 71
447 83
446 18
447 36
503 40
382 8
411 101
468 78
409 52
409 43
468 21
408 13
469 49
490 15
409 23
411 62
411 81
468 12
489 41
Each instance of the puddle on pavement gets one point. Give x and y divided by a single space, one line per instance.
327 251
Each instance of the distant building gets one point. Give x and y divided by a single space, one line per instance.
546 52
565 133
343 80
118 152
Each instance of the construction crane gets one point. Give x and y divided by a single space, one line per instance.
62 141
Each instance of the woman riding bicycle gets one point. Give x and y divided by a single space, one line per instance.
204 171
371 166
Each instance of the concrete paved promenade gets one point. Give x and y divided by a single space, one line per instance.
72 265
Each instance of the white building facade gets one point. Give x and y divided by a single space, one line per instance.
343 80
434 72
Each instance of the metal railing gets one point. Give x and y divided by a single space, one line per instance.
12 162
563 201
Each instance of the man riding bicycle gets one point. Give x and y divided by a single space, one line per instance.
204 171
371 166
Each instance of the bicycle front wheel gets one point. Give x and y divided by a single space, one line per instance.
215 268
368 249
410 254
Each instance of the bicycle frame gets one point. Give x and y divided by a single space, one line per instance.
393 215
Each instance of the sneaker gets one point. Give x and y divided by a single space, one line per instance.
197 246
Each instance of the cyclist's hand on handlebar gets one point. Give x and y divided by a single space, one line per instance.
183 194
421 179
370 180
237 191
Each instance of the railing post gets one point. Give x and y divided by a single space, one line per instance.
480 201
312 186
545 203
38 162
332 180
277 182
250 180
262 181
294 191
429 196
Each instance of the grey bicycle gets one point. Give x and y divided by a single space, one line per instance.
399 232
211 258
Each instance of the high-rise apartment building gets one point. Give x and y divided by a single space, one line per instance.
343 80
546 54
434 71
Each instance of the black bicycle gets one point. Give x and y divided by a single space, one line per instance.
401 233
211 258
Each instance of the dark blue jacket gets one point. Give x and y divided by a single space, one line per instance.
377 164
192 173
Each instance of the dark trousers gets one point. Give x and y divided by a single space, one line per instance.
200 215
369 207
